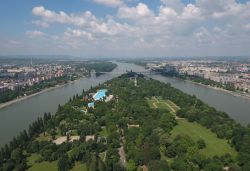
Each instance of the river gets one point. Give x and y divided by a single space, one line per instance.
17 117
236 107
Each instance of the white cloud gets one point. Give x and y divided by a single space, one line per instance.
220 9
35 34
40 23
168 13
177 5
233 9
110 3
49 16
86 21
138 12
191 12
75 33
174 28
204 36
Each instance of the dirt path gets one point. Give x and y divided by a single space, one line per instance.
177 107
178 118
144 168
154 104
156 99
121 149
170 107
122 156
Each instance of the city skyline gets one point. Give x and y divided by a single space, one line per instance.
126 28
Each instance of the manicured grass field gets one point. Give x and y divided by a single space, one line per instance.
150 103
215 146
163 104
43 166
173 105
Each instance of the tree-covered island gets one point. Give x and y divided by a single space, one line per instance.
131 123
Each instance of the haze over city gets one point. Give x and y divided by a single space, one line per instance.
125 28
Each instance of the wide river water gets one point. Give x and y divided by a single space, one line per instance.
17 117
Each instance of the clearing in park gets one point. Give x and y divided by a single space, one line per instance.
45 165
214 145
50 166
157 102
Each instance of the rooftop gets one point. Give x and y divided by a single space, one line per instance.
92 104
100 94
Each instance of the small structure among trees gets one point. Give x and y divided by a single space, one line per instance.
89 137
133 126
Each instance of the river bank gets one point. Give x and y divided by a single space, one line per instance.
6 104
236 94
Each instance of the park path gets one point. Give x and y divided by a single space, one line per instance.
122 156
121 149
157 101
155 106
173 110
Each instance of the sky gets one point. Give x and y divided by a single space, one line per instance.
125 28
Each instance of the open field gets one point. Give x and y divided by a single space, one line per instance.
51 166
163 104
173 105
215 146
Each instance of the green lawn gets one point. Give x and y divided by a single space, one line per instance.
33 158
215 146
79 167
50 166
173 105
150 102
163 104
43 166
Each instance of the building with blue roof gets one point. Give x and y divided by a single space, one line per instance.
100 95
91 105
